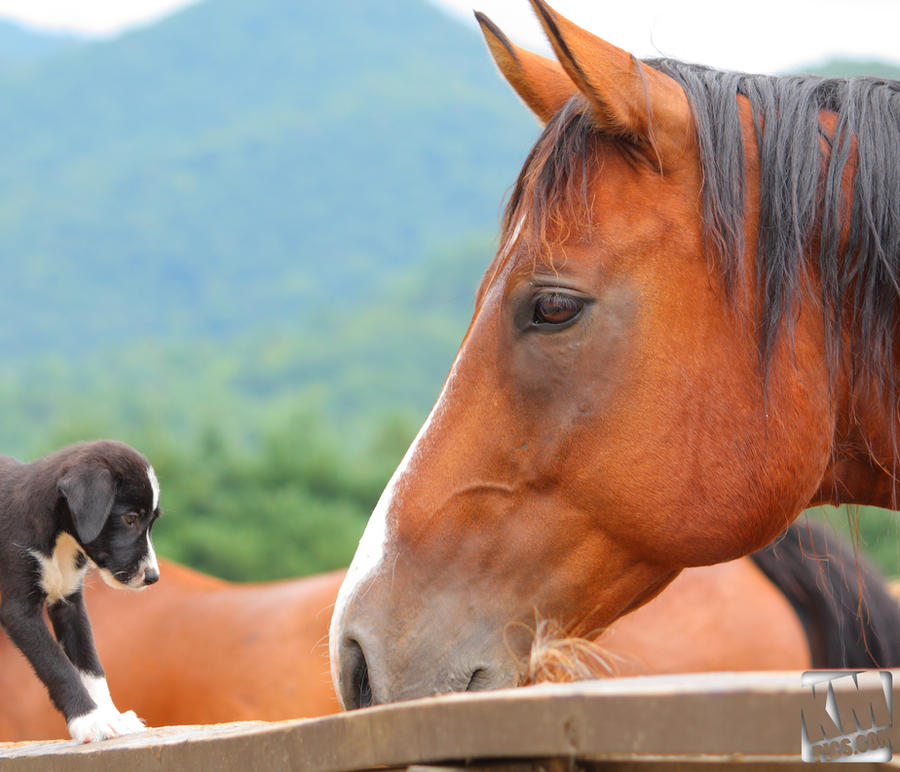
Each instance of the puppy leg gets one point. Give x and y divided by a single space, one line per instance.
73 630
24 623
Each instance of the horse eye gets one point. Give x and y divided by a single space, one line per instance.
556 308
131 520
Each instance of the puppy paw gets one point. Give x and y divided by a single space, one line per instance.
92 727
129 722
102 724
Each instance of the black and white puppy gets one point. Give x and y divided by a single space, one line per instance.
89 504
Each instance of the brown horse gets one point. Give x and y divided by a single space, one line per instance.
685 338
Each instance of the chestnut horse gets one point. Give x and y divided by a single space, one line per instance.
685 338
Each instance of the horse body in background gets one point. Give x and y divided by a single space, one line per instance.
686 337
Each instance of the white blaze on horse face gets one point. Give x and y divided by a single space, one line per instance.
511 241
374 544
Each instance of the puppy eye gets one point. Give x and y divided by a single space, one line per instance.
555 308
131 519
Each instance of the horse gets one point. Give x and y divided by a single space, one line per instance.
850 616
195 649
685 338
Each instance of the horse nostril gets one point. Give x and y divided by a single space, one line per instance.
151 576
358 693
479 681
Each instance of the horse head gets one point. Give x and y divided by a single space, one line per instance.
617 410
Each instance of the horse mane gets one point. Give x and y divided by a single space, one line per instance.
803 207
849 615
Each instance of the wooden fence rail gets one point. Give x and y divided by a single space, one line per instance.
683 722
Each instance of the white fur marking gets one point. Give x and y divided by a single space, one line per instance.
154 486
104 721
370 552
511 241
373 545
107 576
149 563
91 727
98 690
60 574
102 724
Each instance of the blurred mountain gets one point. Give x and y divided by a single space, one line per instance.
851 68
241 163
21 45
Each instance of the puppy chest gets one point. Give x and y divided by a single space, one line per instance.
62 573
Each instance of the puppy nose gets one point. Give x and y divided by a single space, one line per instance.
151 575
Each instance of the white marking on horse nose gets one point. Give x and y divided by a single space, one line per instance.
370 553
373 546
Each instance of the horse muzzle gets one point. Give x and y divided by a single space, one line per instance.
380 657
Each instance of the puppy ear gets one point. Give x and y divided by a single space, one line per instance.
89 492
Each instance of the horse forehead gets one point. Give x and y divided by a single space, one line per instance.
499 266
624 212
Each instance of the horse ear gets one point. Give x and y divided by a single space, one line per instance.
89 492
629 98
541 82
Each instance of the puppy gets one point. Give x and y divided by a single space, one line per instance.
89 504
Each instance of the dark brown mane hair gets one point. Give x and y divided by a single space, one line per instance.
802 201
843 602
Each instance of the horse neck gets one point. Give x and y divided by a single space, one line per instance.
865 352
865 466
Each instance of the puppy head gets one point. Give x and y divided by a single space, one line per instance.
112 495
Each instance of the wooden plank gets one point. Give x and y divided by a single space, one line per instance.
564 765
747 717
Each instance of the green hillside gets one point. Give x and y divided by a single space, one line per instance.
851 68
271 449
242 163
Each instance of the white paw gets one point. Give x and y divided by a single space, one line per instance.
130 722
103 723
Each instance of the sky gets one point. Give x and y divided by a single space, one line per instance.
96 17
754 35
